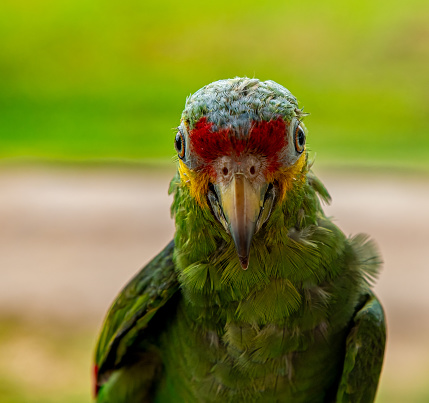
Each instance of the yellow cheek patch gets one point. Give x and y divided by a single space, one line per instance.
289 176
197 182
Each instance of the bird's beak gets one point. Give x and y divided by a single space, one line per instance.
241 205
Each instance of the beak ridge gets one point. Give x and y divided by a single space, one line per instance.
241 204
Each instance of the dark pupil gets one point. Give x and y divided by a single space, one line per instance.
301 138
178 143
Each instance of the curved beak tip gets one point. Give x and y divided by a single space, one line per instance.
244 261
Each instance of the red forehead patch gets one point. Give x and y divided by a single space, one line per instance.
266 139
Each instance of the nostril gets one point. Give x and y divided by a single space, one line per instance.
225 171
252 170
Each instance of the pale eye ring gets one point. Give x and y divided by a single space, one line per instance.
299 139
179 144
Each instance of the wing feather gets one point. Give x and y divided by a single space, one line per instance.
364 354
130 315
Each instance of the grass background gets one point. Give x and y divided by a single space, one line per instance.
101 80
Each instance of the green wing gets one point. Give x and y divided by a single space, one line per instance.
123 352
364 354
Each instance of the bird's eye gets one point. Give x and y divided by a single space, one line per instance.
299 137
179 144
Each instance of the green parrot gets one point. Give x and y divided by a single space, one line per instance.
259 297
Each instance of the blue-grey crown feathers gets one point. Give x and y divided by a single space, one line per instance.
236 102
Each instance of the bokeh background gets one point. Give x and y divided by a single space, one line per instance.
89 94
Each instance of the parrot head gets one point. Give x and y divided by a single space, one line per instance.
241 148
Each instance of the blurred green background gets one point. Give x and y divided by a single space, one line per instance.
84 81
108 80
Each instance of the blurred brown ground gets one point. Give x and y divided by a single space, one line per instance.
70 238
